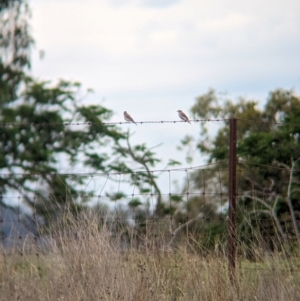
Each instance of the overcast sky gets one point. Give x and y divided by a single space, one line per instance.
153 57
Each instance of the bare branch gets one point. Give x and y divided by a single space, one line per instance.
178 229
271 211
258 200
282 164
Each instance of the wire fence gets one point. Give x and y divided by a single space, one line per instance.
14 124
132 206
115 199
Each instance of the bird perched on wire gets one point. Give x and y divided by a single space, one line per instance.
183 116
128 118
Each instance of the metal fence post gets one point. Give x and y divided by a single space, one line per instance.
232 200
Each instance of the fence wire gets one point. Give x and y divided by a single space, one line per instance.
194 214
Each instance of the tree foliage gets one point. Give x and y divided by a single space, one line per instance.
44 127
268 151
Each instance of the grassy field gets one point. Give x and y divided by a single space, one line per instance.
93 267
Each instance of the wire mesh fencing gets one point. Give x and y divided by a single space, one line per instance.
142 215
146 210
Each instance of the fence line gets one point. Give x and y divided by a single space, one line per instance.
108 123
211 190
198 167
7 124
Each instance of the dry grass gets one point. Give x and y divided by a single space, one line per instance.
94 267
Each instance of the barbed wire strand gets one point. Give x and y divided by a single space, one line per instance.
15 124
114 173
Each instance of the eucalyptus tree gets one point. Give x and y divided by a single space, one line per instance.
44 126
268 152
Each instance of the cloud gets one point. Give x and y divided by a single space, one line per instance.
143 54
127 46
157 3
117 3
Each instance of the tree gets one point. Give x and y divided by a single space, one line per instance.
36 137
277 147
15 46
42 125
268 155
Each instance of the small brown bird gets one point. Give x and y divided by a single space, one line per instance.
128 118
183 116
